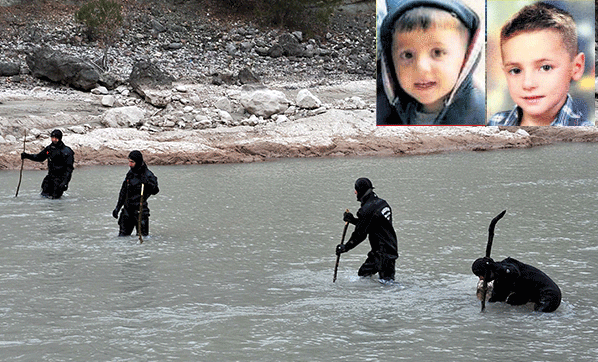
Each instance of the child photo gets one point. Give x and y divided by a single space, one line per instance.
430 58
540 63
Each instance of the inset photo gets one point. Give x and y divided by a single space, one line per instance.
540 63
430 62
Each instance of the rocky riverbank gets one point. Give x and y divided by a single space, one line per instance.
240 93
335 133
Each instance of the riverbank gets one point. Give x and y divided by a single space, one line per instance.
335 133
205 118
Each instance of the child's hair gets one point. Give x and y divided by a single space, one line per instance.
542 16
424 18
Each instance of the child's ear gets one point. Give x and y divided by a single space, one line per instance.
578 66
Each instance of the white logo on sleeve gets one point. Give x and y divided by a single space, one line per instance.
387 213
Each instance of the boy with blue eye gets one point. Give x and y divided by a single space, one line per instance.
429 51
540 59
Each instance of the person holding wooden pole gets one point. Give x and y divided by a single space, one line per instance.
512 281
517 283
374 218
61 159
139 184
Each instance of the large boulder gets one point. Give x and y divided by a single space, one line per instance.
305 99
147 75
8 69
246 76
151 82
131 116
265 102
290 45
55 66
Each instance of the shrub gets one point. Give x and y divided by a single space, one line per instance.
101 17
307 15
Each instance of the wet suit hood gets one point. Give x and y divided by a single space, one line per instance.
137 157
399 100
364 187
482 265
56 134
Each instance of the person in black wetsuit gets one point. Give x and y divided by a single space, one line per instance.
374 218
60 165
130 196
517 283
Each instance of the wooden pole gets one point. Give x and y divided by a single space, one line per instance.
22 163
140 213
488 250
338 257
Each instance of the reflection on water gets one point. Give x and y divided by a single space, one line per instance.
240 259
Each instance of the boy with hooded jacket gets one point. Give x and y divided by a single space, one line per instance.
430 49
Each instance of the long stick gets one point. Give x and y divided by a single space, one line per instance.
488 250
22 163
139 218
338 257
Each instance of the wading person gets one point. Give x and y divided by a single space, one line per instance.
60 165
130 196
517 283
374 218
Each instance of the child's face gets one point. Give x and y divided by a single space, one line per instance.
428 63
539 71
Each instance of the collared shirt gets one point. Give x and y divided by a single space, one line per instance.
566 117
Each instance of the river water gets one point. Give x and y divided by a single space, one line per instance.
240 258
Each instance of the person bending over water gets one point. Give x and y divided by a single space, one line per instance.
517 283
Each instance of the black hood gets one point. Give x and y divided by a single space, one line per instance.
480 266
403 103
136 157
56 134
362 186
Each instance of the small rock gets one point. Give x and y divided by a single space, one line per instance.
251 121
34 132
522 132
281 119
108 101
225 116
99 90
315 112
77 129
223 103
